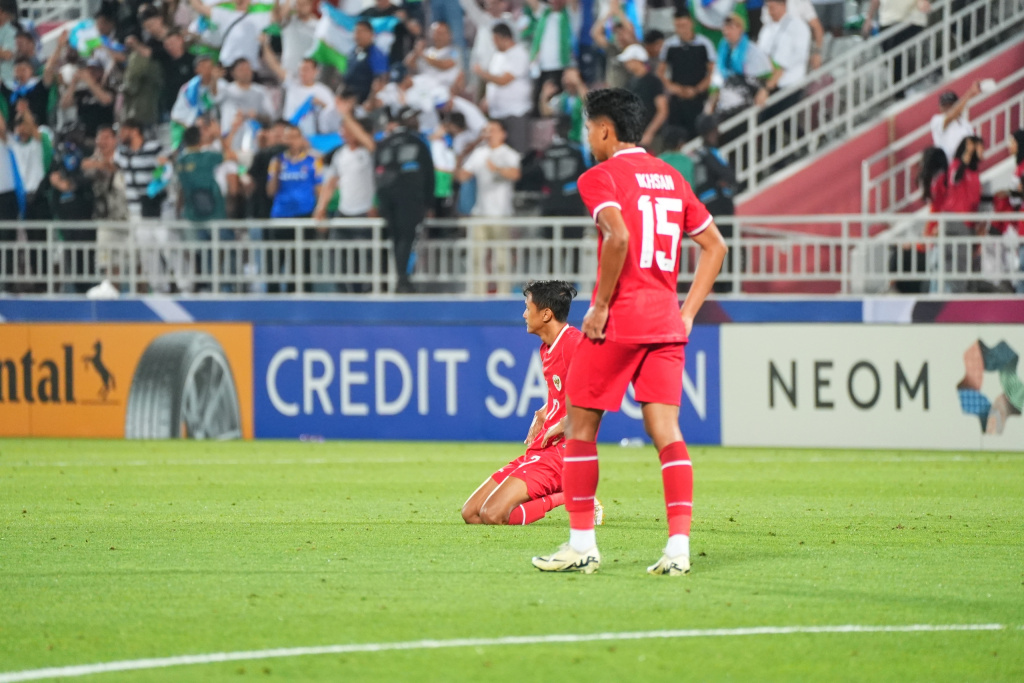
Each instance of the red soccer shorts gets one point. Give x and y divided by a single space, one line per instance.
541 469
601 372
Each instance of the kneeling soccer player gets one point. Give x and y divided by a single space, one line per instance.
635 329
528 487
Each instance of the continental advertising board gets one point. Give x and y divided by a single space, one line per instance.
126 380
873 386
451 382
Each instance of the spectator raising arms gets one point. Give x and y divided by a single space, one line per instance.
235 31
29 88
495 166
307 102
93 100
951 125
351 169
568 103
298 21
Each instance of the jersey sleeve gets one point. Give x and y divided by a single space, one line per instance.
597 189
696 217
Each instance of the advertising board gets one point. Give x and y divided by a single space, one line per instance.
126 380
873 386
435 383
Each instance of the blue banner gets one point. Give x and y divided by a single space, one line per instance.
450 383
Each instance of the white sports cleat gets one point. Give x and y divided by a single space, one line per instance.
598 513
671 566
565 559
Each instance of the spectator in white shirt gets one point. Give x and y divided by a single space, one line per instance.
237 32
493 13
351 169
786 39
495 166
951 125
508 86
442 61
351 173
242 95
805 10
308 104
298 25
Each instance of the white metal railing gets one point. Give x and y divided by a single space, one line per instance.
823 254
847 93
893 187
54 11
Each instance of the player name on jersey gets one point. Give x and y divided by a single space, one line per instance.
655 181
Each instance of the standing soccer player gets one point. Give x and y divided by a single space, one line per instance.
528 487
634 330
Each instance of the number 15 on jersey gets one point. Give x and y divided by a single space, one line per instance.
656 221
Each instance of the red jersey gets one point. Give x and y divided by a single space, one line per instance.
556 359
658 206
963 196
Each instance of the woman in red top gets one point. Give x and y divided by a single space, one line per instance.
963 195
933 181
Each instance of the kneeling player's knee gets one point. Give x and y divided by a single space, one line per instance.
490 514
470 514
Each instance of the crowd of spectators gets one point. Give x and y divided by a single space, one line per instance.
205 110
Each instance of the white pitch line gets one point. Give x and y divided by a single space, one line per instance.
220 657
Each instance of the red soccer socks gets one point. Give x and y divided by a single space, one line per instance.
579 483
677 477
532 510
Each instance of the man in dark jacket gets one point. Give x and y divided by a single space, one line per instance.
405 187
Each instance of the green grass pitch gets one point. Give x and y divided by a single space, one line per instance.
113 550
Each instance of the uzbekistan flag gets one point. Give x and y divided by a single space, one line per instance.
84 38
333 33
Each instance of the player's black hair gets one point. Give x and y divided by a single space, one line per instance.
623 108
502 29
554 294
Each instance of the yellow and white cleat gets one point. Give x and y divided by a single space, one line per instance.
565 559
671 566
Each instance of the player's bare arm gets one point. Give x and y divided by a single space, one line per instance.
712 255
537 424
613 256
